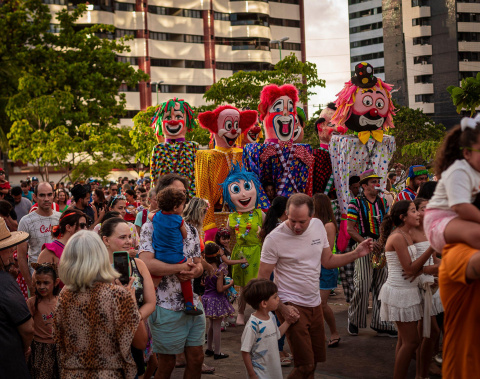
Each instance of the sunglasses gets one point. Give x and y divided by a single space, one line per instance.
82 225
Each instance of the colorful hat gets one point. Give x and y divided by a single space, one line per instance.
364 77
417 170
368 174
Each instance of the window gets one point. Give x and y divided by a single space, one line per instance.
244 43
366 57
161 62
421 21
158 36
366 42
196 89
423 59
423 79
284 22
468 56
468 36
179 12
194 64
131 114
364 28
423 98
280 1
249 19
124 7
420 3
131 60
421 41
125 88
193 39
353 2
468 17
467 74
365 13
56 2
124 32
192 13
224 66
54 28
221 16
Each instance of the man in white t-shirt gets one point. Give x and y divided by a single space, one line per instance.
296 249
39 225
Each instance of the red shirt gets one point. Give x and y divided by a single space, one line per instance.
131 216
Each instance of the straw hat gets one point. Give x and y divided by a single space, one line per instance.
9 239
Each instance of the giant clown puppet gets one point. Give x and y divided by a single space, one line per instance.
226 123
364 106
322 170
240 193
279 160
172 120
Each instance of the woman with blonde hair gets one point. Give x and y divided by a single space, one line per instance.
96 321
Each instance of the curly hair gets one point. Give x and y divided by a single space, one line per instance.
170 198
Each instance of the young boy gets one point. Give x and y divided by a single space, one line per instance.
261 334
169 231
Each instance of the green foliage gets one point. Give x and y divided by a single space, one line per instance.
310 132
467 96
66 107
242 89
416 135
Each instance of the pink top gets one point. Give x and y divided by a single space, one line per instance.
55 246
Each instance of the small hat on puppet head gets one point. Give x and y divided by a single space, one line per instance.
176 126
278 110
226 123
240 189
365 104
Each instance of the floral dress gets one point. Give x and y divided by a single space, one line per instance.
246 227
216 303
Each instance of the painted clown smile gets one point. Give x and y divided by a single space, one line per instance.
253 135
230 141
284 127
364 120
245 202
173 127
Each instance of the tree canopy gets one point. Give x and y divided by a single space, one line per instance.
243 88
467 96
66 107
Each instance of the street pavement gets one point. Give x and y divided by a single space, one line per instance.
362 356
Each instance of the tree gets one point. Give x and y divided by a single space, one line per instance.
416 135
467 96
67 106
242 89
310 132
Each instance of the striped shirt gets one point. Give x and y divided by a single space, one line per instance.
368 216
406 194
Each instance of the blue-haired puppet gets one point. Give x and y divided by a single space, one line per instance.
240 193
171 121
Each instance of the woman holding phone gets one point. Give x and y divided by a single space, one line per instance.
116 236
96 342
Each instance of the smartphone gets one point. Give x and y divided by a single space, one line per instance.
121 263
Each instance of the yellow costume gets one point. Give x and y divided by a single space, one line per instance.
211 169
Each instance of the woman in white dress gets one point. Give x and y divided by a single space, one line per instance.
401 300
429 290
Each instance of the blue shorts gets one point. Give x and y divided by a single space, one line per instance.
172 331
328 278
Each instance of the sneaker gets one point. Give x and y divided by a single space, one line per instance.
209 353
438 359
192 310
352 329
220 356
386 333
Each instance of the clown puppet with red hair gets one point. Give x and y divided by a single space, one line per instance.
226 123
171 121
280 161
364 106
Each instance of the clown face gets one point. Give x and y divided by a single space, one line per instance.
369 110
298 132
280 121
228 128
173 125
253 133
326 129
243 195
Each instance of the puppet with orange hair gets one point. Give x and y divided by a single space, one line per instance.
280 161
364 106
212 166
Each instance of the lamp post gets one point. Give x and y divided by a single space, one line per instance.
279 41
157 84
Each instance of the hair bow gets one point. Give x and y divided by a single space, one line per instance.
468 122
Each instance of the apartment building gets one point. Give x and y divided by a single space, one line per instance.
187 45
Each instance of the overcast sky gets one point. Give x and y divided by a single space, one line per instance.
327 43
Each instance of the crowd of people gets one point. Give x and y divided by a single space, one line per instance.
66 310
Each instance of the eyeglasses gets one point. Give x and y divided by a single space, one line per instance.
82 225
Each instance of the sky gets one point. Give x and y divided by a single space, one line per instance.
327 43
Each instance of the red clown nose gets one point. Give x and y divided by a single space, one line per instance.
373 112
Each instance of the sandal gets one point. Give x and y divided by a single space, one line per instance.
207 369
334 342
285 361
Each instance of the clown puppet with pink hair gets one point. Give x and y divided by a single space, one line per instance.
171 121
226 123
364 106
279 160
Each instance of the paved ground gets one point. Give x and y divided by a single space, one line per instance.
363 356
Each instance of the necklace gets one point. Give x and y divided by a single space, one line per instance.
249 225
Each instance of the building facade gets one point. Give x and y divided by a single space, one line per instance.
187 45
428 45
